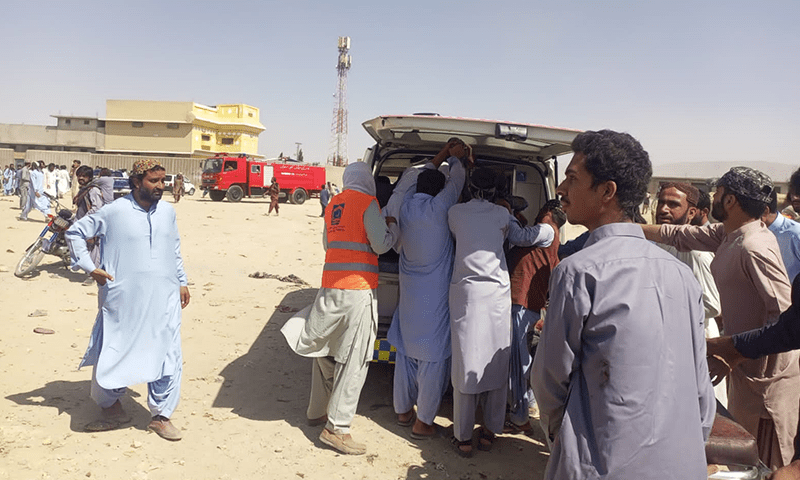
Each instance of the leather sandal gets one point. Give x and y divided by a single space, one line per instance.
485 439
457 444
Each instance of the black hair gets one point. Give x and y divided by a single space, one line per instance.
794 182
430 181
753 208
84 171
620 158
773 202
554 208
704 201
483 183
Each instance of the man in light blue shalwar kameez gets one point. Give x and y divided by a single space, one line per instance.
143 286
420 329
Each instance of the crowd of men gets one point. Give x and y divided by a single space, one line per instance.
621 374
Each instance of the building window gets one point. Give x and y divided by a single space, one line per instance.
86 122
173 126
67 121
101 123
227 141
137 124
250 113
206 138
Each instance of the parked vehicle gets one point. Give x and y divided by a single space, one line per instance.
525 155
237 177
50 241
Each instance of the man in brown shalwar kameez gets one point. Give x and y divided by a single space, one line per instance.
754 289
177 187
274 193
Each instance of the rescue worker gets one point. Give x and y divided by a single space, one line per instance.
338 330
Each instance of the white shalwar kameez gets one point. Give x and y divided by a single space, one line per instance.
136 336
480 309
41 203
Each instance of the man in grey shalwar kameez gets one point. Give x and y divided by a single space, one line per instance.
143 287
620 373
420 329
480 308
338 330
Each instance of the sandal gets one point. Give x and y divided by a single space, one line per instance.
410 421
485 439
457 444
513 428
426 436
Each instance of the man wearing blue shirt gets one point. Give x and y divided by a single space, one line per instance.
788 234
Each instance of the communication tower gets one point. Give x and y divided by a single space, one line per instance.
338 155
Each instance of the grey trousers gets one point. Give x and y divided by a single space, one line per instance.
493 403
335 388
25 198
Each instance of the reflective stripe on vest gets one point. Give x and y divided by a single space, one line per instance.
350 263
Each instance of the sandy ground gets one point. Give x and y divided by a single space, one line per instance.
244 393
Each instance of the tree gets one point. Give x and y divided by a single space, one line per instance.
300 155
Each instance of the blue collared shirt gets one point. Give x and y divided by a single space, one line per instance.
788 234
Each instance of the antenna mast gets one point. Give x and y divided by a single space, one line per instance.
338 155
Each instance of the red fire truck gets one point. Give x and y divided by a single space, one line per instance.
239 176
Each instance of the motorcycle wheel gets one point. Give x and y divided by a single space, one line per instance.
29 261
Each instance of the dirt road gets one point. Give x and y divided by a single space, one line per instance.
244 393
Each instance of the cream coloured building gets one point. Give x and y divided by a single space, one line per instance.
180 128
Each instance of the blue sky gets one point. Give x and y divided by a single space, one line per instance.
693 81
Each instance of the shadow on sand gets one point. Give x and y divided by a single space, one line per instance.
73 399
270 382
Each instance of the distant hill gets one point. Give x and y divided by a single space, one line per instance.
778 172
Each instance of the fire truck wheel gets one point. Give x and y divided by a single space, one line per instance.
299 196
216 195
235 193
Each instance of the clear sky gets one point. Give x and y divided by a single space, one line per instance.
693 81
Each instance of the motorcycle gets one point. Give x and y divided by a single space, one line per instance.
50 241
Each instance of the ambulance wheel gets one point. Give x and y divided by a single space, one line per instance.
216 195
299 196
235 193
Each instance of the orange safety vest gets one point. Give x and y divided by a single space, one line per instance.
350 262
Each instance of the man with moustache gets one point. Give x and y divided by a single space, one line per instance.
754 289
677 205
88 200
143 287
620 373
703 210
